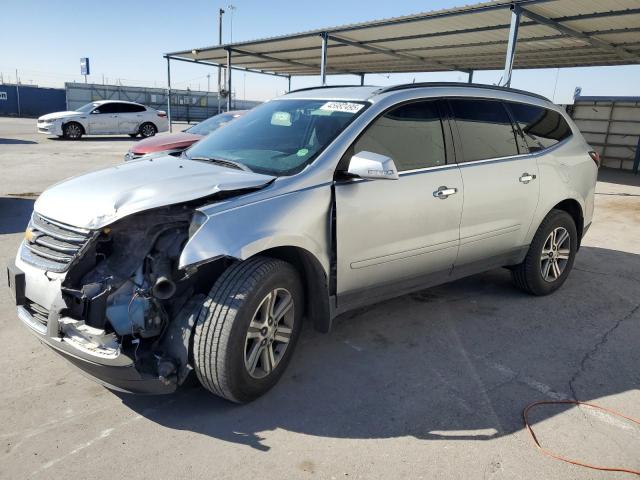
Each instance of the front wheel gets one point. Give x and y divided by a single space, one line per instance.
248 328
550 256
72 131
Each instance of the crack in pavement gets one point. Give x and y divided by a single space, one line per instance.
591 353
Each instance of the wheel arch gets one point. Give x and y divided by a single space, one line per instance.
65 123
314 280
573 208
145 122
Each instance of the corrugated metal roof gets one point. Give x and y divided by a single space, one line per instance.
473 37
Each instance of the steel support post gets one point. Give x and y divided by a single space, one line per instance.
470 79
323 59
228 79
511 47
169 92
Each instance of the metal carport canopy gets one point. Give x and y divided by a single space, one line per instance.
549 34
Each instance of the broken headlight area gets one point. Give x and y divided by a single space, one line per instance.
125 294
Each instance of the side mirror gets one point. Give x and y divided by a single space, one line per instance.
372 166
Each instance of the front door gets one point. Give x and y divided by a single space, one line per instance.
103 119
501 184
392 232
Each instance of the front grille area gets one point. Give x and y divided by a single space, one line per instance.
51 245
38 312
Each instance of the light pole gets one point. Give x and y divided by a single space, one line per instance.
220 14
231 9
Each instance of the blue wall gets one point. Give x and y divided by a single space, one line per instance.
34 101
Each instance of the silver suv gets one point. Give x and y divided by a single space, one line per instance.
310 205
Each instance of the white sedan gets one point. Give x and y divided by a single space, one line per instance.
105 117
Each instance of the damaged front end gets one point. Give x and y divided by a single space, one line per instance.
123 312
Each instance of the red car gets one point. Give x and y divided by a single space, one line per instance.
175 143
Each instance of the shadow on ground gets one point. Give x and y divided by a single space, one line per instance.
459 361
16 141
619 177
101 138
14 214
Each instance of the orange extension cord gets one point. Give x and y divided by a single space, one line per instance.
549 453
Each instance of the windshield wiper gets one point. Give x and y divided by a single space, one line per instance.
221 162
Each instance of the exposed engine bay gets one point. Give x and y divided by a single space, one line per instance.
124 294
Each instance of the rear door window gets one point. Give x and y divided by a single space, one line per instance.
542 128
410 134
485 129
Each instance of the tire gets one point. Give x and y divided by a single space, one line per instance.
133 135
536 274
222 349
72 131
147 130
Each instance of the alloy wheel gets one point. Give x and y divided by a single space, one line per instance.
269 333
73 131
555 254
148 130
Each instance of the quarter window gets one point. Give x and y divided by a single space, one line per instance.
542 128
485 129
410 134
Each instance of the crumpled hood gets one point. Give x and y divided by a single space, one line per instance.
99 198
55 115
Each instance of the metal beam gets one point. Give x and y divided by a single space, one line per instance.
470 79
228 79
272 59
361 79
572 32
392 53
511 46
323 59
169 93
289 84
214 64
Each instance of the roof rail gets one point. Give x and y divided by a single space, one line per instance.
325 86
407 86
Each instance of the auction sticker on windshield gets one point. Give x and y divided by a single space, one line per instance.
348 107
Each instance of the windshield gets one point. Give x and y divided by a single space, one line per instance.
210 124
279 137
87 108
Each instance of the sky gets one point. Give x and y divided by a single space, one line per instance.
125 41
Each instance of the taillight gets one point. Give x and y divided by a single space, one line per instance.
595 156
162 114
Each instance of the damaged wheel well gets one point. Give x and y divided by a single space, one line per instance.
314 279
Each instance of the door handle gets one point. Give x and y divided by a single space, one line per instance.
444 192
526 178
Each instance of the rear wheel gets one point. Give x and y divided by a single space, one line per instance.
248 328
72 131
550 256
148 129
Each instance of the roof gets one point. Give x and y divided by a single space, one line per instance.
100 102
433 89
552 33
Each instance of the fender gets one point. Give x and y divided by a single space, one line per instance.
246 230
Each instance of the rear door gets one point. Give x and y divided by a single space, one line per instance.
501 185
130 117
392 232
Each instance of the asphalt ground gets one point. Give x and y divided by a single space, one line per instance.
429 385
